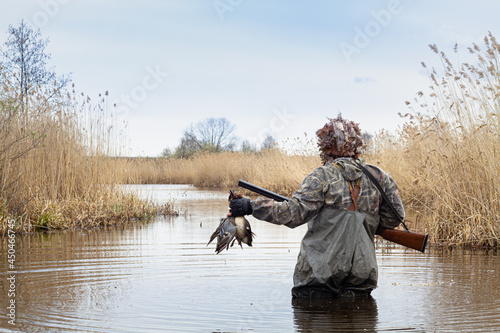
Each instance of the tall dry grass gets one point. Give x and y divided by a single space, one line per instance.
446 158
54 170
271 169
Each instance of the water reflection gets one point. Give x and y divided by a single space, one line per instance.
161 277
465 280
72 276
335 315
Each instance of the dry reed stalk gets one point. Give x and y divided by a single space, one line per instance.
271 169
446 157
54 165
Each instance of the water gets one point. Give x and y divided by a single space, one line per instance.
161 277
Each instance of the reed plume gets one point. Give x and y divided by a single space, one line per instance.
54 163
446 158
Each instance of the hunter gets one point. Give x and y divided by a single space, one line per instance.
343 210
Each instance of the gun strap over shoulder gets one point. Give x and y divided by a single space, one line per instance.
354 195
382 193
353 189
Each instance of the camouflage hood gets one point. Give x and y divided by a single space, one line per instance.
349 170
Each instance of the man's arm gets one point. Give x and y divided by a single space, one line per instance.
304 204
387 218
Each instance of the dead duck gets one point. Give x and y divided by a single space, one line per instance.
232 229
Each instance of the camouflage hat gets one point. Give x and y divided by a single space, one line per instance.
339 138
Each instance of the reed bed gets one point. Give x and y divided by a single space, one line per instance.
446 158
56 169
271 169
53 165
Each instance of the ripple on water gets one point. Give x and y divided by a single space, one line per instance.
162 276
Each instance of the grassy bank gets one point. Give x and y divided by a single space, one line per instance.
53 169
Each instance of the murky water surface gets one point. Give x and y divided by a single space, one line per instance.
161 277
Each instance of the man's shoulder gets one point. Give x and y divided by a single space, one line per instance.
374 168
327 170
381 175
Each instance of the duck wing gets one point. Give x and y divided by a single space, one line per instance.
225 233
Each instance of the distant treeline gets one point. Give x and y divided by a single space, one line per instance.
214 135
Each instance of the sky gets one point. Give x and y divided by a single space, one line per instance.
278 67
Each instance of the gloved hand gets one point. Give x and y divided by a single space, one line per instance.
240 207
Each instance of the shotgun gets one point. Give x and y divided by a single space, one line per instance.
406 238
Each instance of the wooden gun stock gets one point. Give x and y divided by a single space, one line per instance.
409 239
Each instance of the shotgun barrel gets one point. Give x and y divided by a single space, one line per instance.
409 239
262 191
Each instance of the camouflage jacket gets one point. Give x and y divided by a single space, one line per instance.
327 186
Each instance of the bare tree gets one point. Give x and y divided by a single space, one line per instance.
247 147
213 134
269 142
166 153
24 63
367 143
187 148
210 135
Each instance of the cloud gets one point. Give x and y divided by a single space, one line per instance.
364 80
449 34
